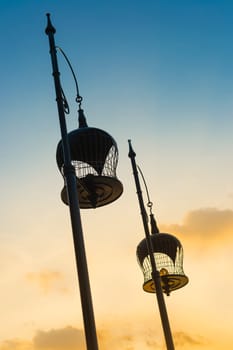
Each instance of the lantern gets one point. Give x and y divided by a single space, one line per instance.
94 155
168 254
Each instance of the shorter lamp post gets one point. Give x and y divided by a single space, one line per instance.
160 257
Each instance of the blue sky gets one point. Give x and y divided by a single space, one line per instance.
159 73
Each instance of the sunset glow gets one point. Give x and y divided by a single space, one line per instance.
161 74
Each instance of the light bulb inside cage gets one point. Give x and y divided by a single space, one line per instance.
168 254
94 155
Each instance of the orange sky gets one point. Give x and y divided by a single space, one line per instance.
41 305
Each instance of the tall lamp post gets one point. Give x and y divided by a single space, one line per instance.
71 187
87 158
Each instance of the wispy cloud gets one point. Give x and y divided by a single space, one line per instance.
112 338
115 339
182 339
48 281
59 339
202 225
55 339
16 344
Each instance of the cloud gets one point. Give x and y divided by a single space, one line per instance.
48 280
202 225
16 344
73 338
55 339
182 339
126 335
59 339
114 338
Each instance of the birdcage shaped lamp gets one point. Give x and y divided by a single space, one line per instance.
94 155
168 254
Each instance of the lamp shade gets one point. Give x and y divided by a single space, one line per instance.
168 254
94 155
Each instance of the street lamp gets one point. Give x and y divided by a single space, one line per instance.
160 256
168 253
94 155
87 159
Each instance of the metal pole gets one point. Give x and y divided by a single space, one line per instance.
155 274
71 185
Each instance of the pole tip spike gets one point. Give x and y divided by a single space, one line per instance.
49 28
131 151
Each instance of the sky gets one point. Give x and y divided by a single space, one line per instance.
161 74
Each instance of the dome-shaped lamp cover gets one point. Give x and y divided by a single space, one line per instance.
94 155
168 254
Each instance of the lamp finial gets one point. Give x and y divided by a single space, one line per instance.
50 27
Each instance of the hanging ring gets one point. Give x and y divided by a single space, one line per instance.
150 204
79 100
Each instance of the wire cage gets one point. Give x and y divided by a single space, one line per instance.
94 155
168 254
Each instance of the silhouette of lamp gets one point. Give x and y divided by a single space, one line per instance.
94 155
87 158
160 256
168 254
